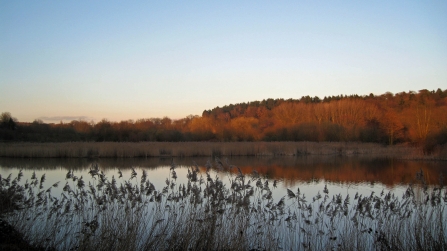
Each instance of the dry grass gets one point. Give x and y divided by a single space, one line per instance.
205 214
196 149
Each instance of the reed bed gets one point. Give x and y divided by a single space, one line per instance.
196 149
205 213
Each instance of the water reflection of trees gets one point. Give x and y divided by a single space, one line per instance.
289 169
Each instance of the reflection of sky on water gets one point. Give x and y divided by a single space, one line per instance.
309 174
340 175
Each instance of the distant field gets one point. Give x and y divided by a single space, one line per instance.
195 149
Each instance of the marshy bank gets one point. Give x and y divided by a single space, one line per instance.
208 149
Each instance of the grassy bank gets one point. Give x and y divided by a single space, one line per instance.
205 214
196 149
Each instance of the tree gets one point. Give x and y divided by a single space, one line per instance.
288 114
202 128
4 117
392 126
38 122
321 112
7 121
244 129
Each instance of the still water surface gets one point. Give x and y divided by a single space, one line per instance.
309 173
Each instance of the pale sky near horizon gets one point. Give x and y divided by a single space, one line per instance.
65 60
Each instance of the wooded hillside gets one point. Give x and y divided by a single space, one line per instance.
415 117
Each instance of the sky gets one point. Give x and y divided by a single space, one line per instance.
120 60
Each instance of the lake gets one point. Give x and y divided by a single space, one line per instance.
310 173
277 209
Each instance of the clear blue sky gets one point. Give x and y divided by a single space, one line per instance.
121 60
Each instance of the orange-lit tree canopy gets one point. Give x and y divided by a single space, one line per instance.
415 117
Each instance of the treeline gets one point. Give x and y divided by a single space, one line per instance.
415 117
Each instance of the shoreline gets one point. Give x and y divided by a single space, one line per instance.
212 149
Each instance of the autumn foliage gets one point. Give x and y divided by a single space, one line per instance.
414 117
